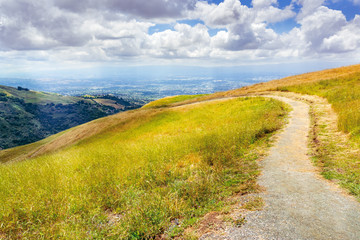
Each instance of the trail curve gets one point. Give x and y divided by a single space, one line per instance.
299 203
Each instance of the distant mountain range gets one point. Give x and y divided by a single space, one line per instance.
27 116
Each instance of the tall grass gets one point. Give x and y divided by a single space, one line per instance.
135 179
344 95
164 102
337 161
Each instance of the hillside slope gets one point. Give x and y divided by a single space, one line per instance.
156 170
275 85
28 116
176 163
335 149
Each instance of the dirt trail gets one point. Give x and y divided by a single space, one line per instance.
299 204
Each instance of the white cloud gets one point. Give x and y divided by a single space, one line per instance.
226 13
321 24
113 30
263 3
273 15
308 7
184 41
242 36
245 26
144 9
345 40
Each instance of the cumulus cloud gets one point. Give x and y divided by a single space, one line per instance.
246 28
273 15
37 25
345 40
139 8
184 41
308 7
226 13
242 36
263 3
113 30
323 23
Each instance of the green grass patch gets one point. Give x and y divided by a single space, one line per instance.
135 179
254 204
164 102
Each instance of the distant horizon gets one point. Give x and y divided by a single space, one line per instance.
154 82
113 70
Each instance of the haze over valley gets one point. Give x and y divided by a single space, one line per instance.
146 83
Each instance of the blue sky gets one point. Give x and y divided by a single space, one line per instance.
45 36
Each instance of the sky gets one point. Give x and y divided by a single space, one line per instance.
48 35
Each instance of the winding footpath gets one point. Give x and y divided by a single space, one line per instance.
299 204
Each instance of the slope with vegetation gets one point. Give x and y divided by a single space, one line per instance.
139 173
341 88
156 170
28 116
167 101
339 161
343 93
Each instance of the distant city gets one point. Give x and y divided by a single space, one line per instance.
148 89
148 83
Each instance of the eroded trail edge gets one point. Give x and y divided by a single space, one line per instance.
299 204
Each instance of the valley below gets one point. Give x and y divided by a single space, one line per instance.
28 116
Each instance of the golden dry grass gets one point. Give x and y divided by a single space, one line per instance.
171 100
288 81
71 136
129 176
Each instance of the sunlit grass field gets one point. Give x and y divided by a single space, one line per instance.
164 102
134 179
336 161
343 94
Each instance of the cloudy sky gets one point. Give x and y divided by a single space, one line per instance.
40 34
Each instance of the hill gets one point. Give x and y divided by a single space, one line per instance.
27 116
176 163
155 171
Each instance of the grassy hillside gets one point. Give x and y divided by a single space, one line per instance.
28 116
37 97
164 102
312 77
344 95
338 163
341 87
139 172
136 174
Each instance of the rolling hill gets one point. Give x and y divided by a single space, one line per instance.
27 116
137 174
176 163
